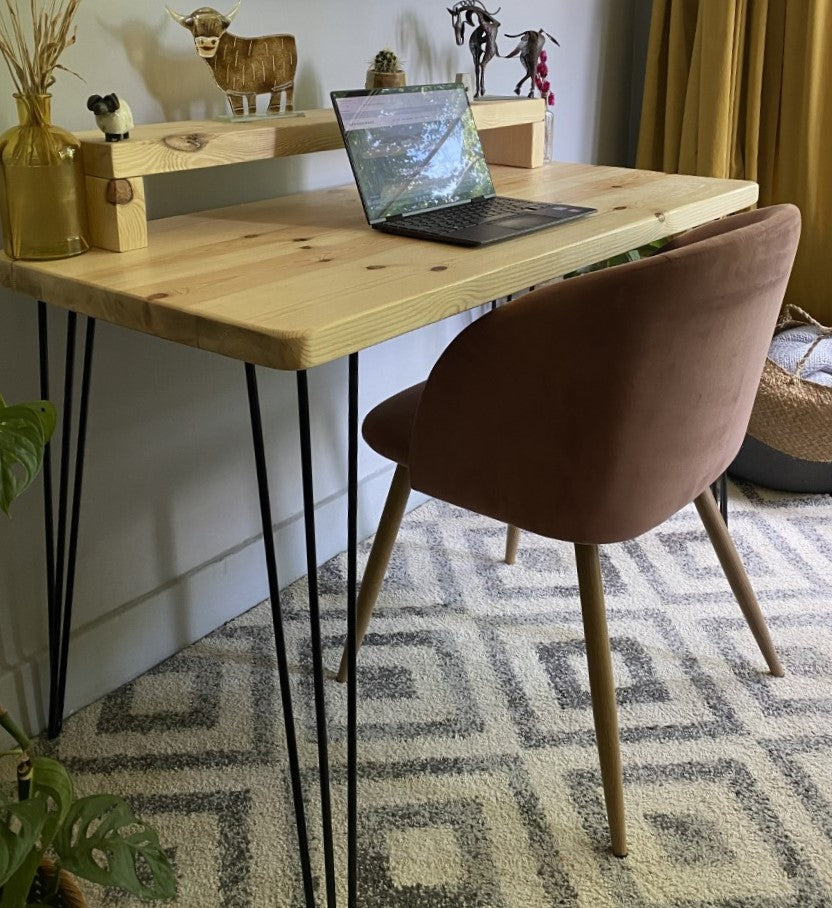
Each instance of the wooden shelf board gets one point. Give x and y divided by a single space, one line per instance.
193 144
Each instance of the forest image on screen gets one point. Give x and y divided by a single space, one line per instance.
414 150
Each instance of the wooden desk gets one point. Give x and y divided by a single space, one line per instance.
298 281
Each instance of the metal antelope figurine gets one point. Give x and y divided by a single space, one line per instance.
483 40
529 48
243 67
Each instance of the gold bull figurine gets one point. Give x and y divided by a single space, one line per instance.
243 67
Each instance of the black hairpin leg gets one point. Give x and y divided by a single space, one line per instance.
279 639
720 493
53 617
352 584
61 556
315 632
508 299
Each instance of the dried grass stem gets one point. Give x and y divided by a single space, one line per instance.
32 49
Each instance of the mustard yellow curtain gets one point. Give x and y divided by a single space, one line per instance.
743 88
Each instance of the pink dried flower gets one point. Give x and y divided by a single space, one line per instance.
543 56
551 99
542 70
544 86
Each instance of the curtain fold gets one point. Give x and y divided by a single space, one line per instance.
743 89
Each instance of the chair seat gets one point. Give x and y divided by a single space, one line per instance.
388 427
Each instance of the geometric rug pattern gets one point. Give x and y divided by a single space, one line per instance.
478 774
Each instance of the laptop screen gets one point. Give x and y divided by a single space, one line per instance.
413 148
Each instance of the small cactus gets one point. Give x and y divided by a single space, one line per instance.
385 61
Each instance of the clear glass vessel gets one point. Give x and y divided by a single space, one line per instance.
42 195
549 135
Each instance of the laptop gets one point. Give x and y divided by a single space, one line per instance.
421 170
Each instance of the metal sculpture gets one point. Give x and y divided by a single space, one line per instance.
529 48
483 39
243 67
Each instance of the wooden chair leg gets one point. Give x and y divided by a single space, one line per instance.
512 541
388 530
602 689
737 577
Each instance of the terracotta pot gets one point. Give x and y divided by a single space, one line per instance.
68 887
385 80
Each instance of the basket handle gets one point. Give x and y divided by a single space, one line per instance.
794 315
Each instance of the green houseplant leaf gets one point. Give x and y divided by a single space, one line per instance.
102 841
20 828
632 255
24 430
51 784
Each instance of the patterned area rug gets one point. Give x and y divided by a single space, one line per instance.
479 781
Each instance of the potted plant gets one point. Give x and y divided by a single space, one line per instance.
385 71
47 834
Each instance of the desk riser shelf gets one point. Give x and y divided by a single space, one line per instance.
511 132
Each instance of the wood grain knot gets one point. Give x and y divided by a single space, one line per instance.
375 267
157 296
250 236
616 186
119 192
439 268
193 141
306 247
325 260
661 216
301 239
620 208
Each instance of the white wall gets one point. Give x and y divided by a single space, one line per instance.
169 535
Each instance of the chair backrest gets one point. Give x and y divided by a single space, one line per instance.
594 408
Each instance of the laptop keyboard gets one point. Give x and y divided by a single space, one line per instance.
475 212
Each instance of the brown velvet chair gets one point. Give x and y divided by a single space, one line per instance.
593 409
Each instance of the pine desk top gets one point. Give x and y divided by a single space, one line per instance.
297 281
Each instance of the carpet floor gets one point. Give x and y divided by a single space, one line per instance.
478 778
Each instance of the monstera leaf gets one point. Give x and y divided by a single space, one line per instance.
29 826
51 784
20 828
24 430
102 841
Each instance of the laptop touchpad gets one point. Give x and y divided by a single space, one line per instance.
503 228
522 221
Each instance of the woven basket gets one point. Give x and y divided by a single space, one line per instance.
69 893
792 415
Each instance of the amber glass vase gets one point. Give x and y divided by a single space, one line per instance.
42 201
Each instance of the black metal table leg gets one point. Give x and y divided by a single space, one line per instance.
315 632
53 617
61 557
72 552
56 708
279 639
352 584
